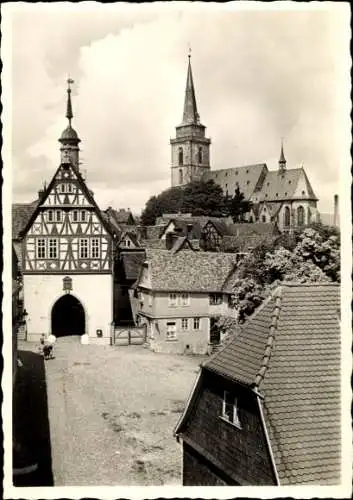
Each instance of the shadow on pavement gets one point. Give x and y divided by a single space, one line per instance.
30 419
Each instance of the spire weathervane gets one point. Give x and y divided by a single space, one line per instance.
69 114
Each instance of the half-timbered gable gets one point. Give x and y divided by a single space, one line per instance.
66 232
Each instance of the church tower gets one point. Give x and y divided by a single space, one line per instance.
69 139
190 148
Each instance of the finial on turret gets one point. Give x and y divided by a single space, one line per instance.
282 161
69 114
189 54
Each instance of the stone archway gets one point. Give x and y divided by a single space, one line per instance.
67 317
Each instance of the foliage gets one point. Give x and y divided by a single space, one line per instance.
237 206
197 198
315 257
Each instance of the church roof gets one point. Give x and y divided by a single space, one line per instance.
247 178
283 185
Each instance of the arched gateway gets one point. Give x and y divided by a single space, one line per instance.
67 317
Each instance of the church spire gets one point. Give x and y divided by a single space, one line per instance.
69 139
282 161
190 115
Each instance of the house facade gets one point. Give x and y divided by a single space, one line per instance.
180 298
67 255
284 196
265 409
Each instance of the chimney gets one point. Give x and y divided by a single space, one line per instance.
335 210
170 239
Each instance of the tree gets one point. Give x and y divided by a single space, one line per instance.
197 198
237 206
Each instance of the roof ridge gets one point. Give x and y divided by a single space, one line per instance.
311 284
277 295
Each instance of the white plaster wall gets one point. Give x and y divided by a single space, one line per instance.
95 292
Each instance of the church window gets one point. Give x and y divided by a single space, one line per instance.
53 248
83 216
41 248
264 218
50 215
75 216
286 216
181 156
83 248
95 248
58 216
300 216
200 155
181 176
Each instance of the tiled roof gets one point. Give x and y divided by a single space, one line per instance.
247 228
154 232
132 262
198 223
282 186
290 349
189 270
21 213
246 178
121 216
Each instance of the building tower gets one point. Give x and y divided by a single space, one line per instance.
69 139
190 148
282 161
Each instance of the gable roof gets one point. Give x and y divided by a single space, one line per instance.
86 192
246 177
188 271
21 213
131 235
282 185
120 216
290 350
259 228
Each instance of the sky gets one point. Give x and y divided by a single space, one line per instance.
261 73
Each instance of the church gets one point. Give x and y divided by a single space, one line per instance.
284 196
67 254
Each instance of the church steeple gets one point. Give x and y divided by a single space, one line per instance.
282 161
190 148
69 138
190 115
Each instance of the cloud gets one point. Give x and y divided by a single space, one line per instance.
258 76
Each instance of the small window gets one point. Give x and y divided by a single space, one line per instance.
83 215
226 186
181 156
58 216
303 193
236 172
173 300
285 194
200 155
181 180
247 171
171 331
69 188
264 218
277 194
184 324
150 299
95 248
50 216
62 188
226 174
83 248
289 182
266 195
53 248
75 216
215 299
230 408
41 248
268 184
248 182
185 299
196 323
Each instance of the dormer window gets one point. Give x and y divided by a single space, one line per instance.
230 408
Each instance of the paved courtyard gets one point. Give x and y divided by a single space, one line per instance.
112 411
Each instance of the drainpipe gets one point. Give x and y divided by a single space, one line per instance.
259 397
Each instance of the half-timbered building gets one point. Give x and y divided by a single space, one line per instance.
67 255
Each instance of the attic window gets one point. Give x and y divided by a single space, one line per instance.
230 409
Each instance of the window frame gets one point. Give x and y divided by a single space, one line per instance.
53 249
75 216
172 302
41 248
197 321
83 216
58 217
95 248
185 299
50 215
215 299
168 337
230 409
82 247
184 324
